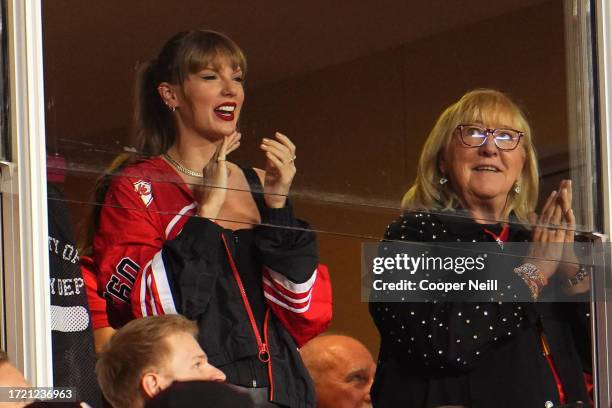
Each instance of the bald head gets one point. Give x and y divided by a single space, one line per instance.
342 370
12 378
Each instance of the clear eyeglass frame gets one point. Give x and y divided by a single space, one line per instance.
504 138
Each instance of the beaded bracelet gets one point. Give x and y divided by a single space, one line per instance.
533 278
576 279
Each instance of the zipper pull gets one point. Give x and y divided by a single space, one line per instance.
264 353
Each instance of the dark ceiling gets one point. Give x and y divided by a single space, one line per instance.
294 36
92 47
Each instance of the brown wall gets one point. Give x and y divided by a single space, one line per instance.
359 126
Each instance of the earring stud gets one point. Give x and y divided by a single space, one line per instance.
443 180
517 187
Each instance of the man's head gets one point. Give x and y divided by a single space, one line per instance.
342 370
147 355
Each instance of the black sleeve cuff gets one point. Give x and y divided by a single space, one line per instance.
282 217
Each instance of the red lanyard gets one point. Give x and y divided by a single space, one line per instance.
553 368
502 237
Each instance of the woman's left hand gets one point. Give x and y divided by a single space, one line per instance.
280 169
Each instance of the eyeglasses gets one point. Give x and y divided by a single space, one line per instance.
476 136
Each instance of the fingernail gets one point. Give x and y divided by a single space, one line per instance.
553 193
262 146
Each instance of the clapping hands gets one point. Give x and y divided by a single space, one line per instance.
553 234
280 169
211 193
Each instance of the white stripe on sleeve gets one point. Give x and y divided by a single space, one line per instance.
151 297
163 287
177 217
143 290
286 306
289 298
283 281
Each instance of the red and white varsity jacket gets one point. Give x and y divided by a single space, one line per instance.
147 206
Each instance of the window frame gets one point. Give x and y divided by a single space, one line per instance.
27 323
602 309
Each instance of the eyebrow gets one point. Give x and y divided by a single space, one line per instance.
355 372
200 357
212 68
509 127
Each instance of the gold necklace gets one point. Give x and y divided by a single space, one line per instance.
182 168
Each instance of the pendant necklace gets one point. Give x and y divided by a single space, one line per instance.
501 237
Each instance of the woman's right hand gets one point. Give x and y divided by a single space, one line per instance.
211 193
550 232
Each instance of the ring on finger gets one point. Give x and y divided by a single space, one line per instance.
293 158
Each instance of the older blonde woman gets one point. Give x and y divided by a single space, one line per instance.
477 181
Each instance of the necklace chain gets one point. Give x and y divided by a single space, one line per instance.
182 168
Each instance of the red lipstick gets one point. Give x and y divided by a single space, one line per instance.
225 111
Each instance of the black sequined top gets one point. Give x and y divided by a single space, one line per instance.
475 354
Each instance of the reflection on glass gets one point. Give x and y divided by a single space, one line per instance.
358 99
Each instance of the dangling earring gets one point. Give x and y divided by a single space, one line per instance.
443 180
172 108
517 187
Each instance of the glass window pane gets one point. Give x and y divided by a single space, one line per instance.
357 88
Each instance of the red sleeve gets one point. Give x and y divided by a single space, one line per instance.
304 309
127 251
97 304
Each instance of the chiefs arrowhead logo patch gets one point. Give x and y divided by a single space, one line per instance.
143 188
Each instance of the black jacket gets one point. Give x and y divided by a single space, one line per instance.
155 256
475 354
205 289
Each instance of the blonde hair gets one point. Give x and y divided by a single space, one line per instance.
477 106
136 347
